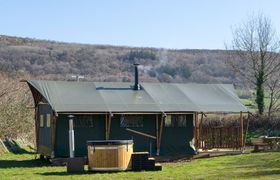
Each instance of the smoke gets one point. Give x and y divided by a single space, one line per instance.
146 68
152 67
162 54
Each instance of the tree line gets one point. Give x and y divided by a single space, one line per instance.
55 60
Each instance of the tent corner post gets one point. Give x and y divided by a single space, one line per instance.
106 127
109 125
53 133
195 133
241 131
157 153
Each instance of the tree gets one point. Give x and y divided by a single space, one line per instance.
255 54
273 89
184 71
16 119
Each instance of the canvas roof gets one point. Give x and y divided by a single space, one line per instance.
69 96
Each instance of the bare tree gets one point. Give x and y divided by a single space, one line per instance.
16 118
273 89
255 53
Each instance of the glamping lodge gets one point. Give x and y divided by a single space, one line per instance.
160 118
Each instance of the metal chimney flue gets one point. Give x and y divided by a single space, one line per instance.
136 78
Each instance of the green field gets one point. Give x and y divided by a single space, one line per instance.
247 98
246 166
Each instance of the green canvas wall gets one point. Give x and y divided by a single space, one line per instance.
97 132
141 143
175 140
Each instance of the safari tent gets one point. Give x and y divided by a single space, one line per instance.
159 117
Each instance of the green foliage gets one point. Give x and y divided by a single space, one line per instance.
184 71
254 134
244 93
260 92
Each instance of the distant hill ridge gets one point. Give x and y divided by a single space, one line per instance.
44 59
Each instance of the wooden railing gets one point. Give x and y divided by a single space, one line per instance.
218 137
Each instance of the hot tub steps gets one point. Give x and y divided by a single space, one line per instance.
158 167
142 161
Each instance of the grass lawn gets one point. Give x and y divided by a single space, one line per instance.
246 166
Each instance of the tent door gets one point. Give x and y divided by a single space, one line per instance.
44 121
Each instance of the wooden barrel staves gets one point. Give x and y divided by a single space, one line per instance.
110 155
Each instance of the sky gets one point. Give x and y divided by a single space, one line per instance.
173 24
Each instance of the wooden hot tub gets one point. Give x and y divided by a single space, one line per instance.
110 155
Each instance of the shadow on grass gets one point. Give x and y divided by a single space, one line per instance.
61 173
15 148
64 173
23 163
19 150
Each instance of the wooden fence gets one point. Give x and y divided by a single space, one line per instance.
218 137
230 132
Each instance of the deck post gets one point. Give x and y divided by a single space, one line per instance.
247 127
37 127
241 131
53 133
71 137
195 134
109 125
197 130
106 127
157 130
200 141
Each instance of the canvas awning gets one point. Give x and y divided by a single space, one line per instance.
68 96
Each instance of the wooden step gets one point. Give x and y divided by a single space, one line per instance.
158 167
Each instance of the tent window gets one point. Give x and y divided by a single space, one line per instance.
48 120
169 122
41 121
181 120
84 121
131 121
176 120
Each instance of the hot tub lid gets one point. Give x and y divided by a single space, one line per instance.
109 142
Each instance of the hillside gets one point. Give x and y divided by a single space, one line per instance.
25 58
56 60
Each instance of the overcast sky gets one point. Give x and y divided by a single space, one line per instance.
176 24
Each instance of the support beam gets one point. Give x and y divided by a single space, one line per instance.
141 133
53 133
196 133
241 130
194 128
109 126
157 131
163 116
201 145
247 128
37 127
106 127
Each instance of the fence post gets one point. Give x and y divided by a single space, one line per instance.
241 131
